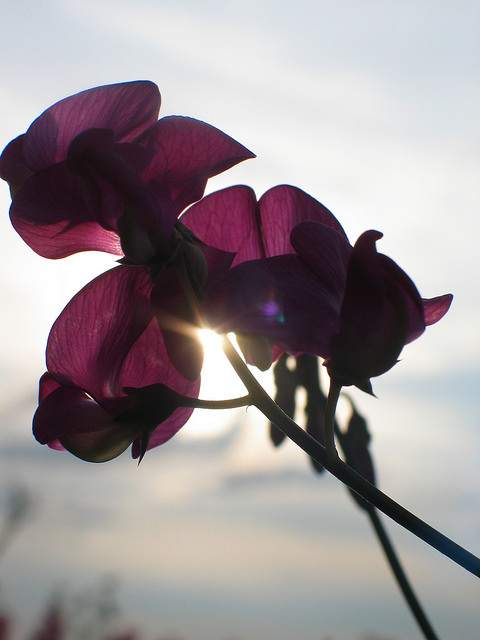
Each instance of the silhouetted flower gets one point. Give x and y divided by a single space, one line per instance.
352 306
98 171
103 351
233 220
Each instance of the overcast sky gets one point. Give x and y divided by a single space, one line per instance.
372 108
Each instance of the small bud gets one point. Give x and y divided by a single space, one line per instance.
256 350
355 443
286 382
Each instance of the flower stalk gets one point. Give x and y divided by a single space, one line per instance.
346 474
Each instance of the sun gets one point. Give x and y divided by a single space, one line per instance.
212 342
219 382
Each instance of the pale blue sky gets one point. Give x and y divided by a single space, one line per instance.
373 109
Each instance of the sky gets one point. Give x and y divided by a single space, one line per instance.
370 107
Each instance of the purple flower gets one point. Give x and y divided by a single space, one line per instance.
107 365
233 220
352 306
97 171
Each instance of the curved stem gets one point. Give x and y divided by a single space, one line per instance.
346 474
391 555
400 576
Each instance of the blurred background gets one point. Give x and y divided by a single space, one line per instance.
371 107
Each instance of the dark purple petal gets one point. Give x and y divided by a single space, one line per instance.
396 278
128 109
179 322
375 318
148 363
186 153
55 216
231 219
132 209
13 168
279 298
326 252
81 425
90 340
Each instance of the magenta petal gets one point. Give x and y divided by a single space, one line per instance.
66 410
281 209
91 338
228 220
81 425
231 219
326 252
186 153
148 363
436 308
128 109
279 298
380 308
178 322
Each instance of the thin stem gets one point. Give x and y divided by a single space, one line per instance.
400 576
346 474
392 557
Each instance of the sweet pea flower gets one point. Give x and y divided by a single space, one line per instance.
352 306
233 220
107 365
97 171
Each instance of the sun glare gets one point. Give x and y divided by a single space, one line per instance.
212 342
219 382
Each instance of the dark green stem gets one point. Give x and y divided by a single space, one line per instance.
392 557
346 474
400 576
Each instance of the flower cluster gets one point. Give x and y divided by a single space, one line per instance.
99 171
